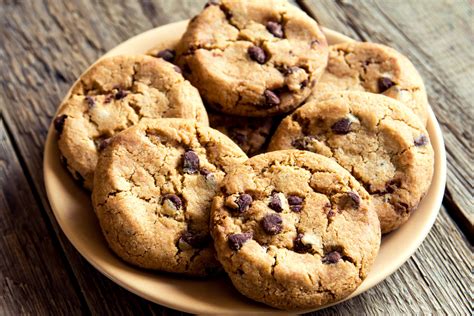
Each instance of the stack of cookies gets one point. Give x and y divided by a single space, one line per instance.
338 133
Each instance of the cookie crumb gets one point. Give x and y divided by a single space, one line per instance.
332 257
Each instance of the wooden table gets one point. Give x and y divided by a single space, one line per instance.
45 45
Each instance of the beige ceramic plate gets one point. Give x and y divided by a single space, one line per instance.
73 211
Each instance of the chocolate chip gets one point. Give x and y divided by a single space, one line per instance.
351 200
275 28
190 162
332 257
211 2
299 246
271 224
193 240
120 94
347 201
342 126
177 69
402 208
167 54
354 198
244 201
289 70
90 101
314 43
296 208
59 123
384 83
275 202
173 198
295 200
296 203
257 54
304 83
302 143
421 140
103 143
236 241
392 185
331 213
271 99
209 176
204 172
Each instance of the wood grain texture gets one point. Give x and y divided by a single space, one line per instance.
437 37
45 45
34 278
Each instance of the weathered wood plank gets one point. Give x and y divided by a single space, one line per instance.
44 46
437 37
34 278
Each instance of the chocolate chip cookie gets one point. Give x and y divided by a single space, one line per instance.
294 230
114 94
252 134
252 58
378 139
373 68
153 189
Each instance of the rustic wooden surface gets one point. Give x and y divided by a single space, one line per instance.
45 45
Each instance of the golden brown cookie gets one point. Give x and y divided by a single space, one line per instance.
378 139
153 190
294 230
376 68
252 58
114 94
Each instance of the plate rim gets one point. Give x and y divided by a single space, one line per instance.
440 154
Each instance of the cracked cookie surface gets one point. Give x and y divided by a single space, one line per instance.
376 68
114 94
294 230
378 139
253 58
252 134
153 190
